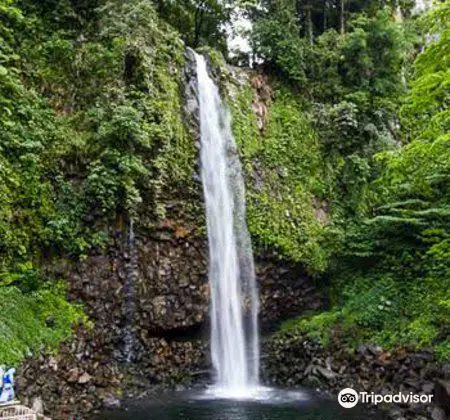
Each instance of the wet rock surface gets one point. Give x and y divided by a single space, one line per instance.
172 285
285 291
74 385
158 341
292 360
73 382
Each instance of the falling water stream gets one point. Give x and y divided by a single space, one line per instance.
129 292
234 300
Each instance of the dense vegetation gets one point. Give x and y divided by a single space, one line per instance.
91 129
385 144
349 176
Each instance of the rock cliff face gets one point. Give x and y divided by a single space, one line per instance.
170 330
285 291
169 311
169 323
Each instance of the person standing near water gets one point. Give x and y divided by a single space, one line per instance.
7 385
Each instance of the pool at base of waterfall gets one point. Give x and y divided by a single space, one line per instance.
266 404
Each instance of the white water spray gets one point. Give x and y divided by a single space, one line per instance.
234 298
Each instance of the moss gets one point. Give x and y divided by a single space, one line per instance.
34 322
284 176
318 327
175 160
443 351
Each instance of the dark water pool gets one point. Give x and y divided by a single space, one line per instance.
279 405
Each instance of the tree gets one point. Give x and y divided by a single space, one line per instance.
276 39
200 22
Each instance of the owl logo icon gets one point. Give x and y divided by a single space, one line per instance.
348 398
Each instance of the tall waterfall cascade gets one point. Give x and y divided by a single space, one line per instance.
234 296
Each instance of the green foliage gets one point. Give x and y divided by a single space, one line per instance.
276 39
323 68
91 128
392 278
376 307
374 52
200 22
443 350
318 146
284 178
425 112
363 120
353 84
34 322
367 58
317 327
91 131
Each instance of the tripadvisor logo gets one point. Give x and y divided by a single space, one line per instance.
348 398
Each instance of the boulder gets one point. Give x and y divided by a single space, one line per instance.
37 405
73 375
326 373
109 401
84 378
428 387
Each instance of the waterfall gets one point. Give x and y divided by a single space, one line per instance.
129 291
234 298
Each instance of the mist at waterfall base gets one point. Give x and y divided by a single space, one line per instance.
185 405
236 393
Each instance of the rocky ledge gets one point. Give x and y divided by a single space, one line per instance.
294 360
84 377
